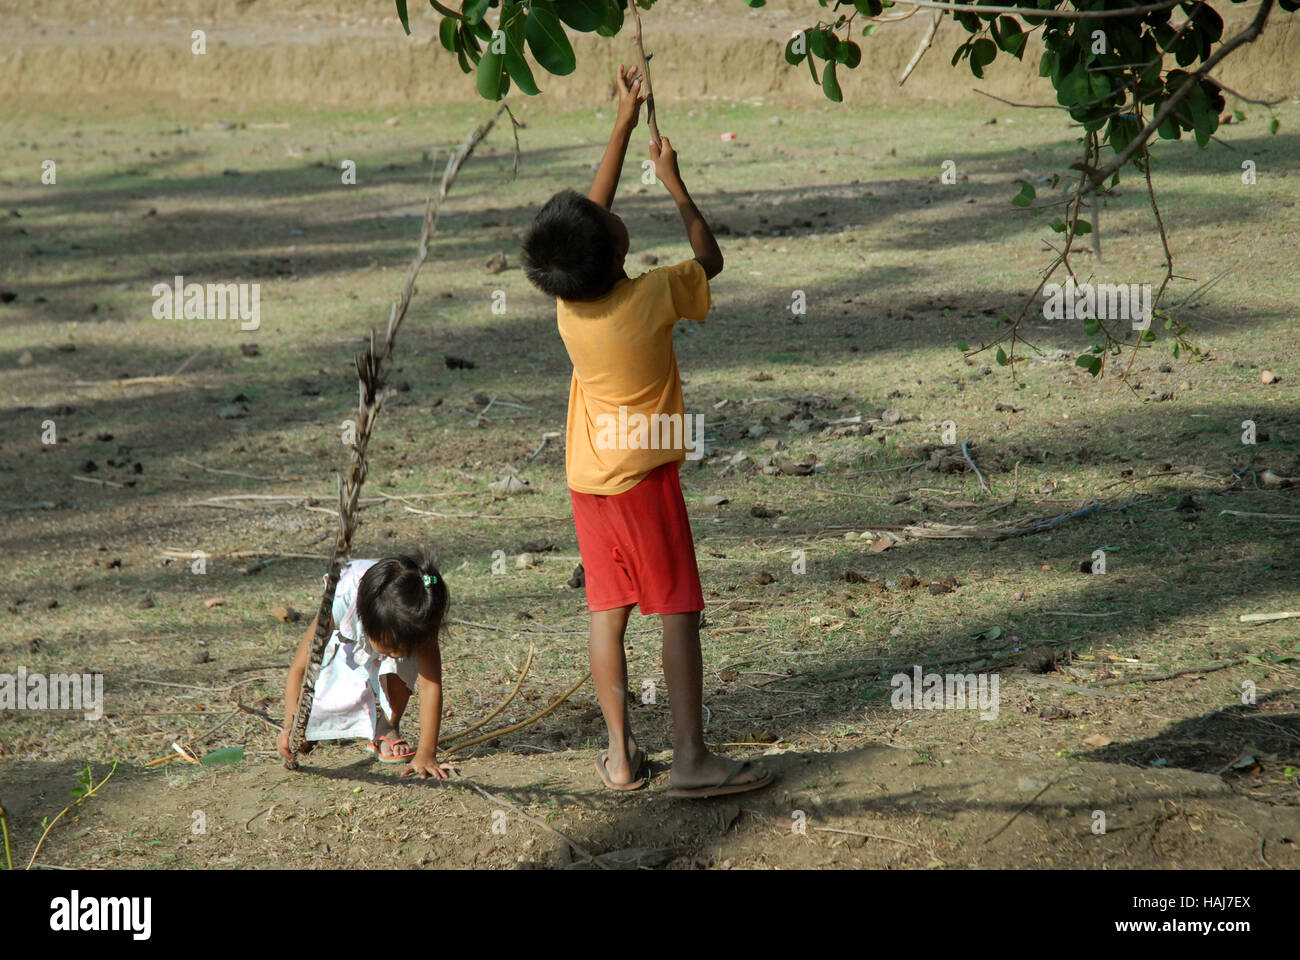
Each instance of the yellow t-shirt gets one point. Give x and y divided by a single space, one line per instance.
625 402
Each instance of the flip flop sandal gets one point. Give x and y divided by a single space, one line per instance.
372 748
726 787
639 764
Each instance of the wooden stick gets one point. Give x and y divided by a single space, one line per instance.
1074 613
1207 668
1073 688
519 726
871 836
227 473
1263 516
504 703
545 826
1261 617
260 715
85 796
102 483
966 453
645 75
924 45
126 382
371 370
1031 802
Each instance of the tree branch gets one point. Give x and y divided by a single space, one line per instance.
980 9
923 46
1247 35
371 370
645 74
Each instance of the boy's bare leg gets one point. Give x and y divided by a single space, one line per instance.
693 764
609 674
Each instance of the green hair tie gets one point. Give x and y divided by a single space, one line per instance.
428 580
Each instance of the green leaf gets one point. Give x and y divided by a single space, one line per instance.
1026 195
830 85
226 755
404 16
1091 364
446 11
512 19
1047 65
821 43
1082 227
612 22
583 15
1074 88
849 54
475 10
492 79
1001 357
791 57
962 346
1009 36
547 41
1091 326
447 34
1272 127
1121 131
982 53
1058 225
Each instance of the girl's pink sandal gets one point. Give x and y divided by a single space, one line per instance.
372 748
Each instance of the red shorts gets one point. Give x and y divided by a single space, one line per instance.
637 547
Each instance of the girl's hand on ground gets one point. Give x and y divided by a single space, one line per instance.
282 743
426 767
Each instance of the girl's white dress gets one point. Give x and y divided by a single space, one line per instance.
348 687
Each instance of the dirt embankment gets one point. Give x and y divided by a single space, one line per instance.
305 51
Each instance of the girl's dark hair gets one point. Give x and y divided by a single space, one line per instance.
568 252
398 609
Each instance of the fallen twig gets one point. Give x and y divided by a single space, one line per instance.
1264 617
90 792
523 723
1073 688
966 453
1031 802
1207 668
253 711
871 836
504 703
545 826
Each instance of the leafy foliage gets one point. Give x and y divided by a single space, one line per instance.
1109 74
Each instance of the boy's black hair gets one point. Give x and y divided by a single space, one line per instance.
398 609
568 251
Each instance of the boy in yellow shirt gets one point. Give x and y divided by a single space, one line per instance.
627 434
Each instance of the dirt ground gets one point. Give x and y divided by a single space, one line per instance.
229 172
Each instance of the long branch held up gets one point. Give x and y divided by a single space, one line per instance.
371 371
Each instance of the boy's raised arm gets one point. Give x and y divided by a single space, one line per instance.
630 95
705 245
